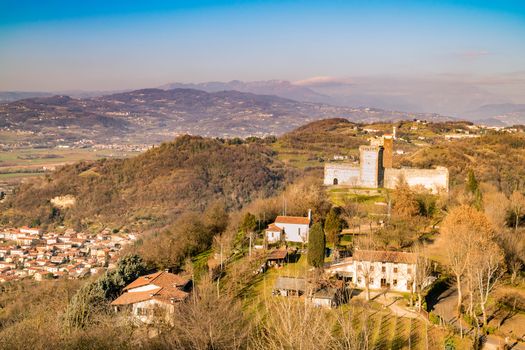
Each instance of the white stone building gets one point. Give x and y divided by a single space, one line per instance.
290 229
394 271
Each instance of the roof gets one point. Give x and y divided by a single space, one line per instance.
277 254
161 279
299 220
290 283
167 289
385 256
274 228
325 293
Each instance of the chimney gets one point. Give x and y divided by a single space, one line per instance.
310 214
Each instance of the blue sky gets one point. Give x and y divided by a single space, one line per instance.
104 45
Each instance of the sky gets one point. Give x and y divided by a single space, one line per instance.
109 45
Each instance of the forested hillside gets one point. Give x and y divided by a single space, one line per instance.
150 189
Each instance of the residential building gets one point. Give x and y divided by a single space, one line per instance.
290 229
394 271
153 297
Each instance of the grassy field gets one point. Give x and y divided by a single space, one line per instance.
21 163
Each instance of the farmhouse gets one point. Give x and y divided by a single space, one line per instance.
376 170
290 229
395 271
154 295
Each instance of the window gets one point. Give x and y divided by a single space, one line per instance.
372 268
383 268
394 283
395 269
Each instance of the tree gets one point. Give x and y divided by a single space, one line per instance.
513 245
405 202
461 229
249 223
290 325
333 226
496 206
487 263
422 273
316 246
472 189
208 321
517 205
94 296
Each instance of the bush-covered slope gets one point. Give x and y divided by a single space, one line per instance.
152 188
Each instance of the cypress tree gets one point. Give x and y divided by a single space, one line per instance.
316 246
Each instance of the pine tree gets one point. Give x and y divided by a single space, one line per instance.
316 246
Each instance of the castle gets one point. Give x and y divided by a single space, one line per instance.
376 170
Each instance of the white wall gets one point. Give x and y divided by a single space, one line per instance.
346 174
404 279
295 232
435 180
273 236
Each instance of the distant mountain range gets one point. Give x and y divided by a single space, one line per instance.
498 114
446 96
153 115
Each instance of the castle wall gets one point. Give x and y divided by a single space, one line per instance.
345 174
434 180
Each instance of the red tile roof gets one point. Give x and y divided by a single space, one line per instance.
161 279
167 289
274 228
385 256
300 220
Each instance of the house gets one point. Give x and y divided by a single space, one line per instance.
290 229
153 296
379 269
31 231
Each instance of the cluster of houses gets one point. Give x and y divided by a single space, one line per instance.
29 252
372 269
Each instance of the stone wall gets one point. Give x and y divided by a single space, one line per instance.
435 180
341 174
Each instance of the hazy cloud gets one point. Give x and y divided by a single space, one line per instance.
473 54
323 81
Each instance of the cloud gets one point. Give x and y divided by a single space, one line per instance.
324 81
473 54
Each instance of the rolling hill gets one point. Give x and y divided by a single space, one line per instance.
156 115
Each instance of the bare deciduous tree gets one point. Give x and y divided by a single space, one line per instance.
496 206
517 205
487 269
461 228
